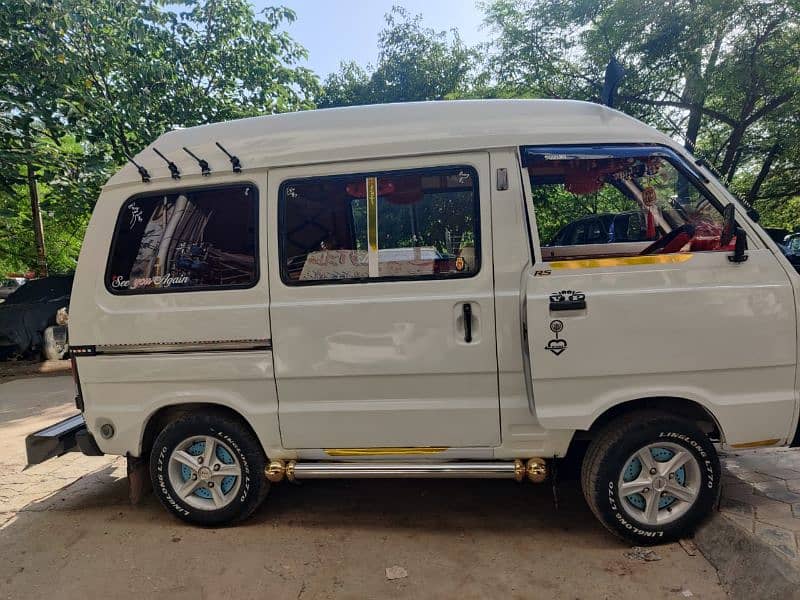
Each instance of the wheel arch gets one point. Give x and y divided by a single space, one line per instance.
166 414
684 407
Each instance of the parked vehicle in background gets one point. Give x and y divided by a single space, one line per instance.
28 326
791 247
9 285
777 234
628 228
366 294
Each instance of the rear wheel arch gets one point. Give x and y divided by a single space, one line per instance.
171 412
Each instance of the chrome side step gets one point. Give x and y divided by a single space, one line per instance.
535 469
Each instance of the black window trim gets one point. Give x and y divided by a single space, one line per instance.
281 226
206 288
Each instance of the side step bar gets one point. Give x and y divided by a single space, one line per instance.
535 469
54 440
69 435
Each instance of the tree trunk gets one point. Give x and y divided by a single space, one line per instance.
728 167
752 194
38 228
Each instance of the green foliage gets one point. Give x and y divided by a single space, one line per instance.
722 75
414 63
88 83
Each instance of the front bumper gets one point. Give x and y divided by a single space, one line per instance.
69 435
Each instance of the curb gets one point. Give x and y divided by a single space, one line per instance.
748 568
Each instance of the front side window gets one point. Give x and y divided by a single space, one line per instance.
607 206
420 224
185 241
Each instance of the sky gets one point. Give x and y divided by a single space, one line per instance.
339 30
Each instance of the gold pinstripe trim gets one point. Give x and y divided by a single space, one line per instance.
383 451
757 444
623 261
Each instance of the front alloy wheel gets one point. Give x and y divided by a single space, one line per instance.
650 477
659 483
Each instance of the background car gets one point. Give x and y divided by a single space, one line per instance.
31 310
791 247
8 286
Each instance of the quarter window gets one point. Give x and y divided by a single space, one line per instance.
420 224
185 241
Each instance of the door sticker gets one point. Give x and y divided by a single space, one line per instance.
556 345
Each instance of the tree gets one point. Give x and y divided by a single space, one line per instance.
91 82
721 74
414 63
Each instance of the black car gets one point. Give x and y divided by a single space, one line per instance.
28 311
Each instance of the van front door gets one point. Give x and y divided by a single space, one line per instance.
381 304
649 305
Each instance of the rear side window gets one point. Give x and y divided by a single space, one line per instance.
201 239
420 224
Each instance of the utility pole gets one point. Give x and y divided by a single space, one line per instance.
38 228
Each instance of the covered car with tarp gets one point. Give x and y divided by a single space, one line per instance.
30 310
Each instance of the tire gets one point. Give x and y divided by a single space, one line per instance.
615 463
229 481
52 349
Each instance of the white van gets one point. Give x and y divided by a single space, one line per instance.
449 289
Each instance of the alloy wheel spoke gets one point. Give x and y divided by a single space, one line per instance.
188 488
675 463
646 458
185 458
651 508
637 486
680 492
227 470
217 496
209 452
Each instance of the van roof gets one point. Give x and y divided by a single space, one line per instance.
387 130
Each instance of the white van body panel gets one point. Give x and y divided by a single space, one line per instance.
385 363
387 131
747 378
649 347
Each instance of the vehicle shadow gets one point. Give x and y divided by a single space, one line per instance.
432 505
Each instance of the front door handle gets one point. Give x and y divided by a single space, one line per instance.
467 314
567 301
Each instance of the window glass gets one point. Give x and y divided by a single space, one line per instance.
619 207
190 240
403 224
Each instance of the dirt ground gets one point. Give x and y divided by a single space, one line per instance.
16 369
68 532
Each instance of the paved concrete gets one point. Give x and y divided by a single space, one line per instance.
753 540
761 494
70 533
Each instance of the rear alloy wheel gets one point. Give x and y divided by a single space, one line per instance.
651 477
208 469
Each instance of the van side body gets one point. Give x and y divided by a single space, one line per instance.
471 359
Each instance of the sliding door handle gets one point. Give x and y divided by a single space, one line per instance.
467 314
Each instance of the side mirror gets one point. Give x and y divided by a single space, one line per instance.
728 224
739 248
754 215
